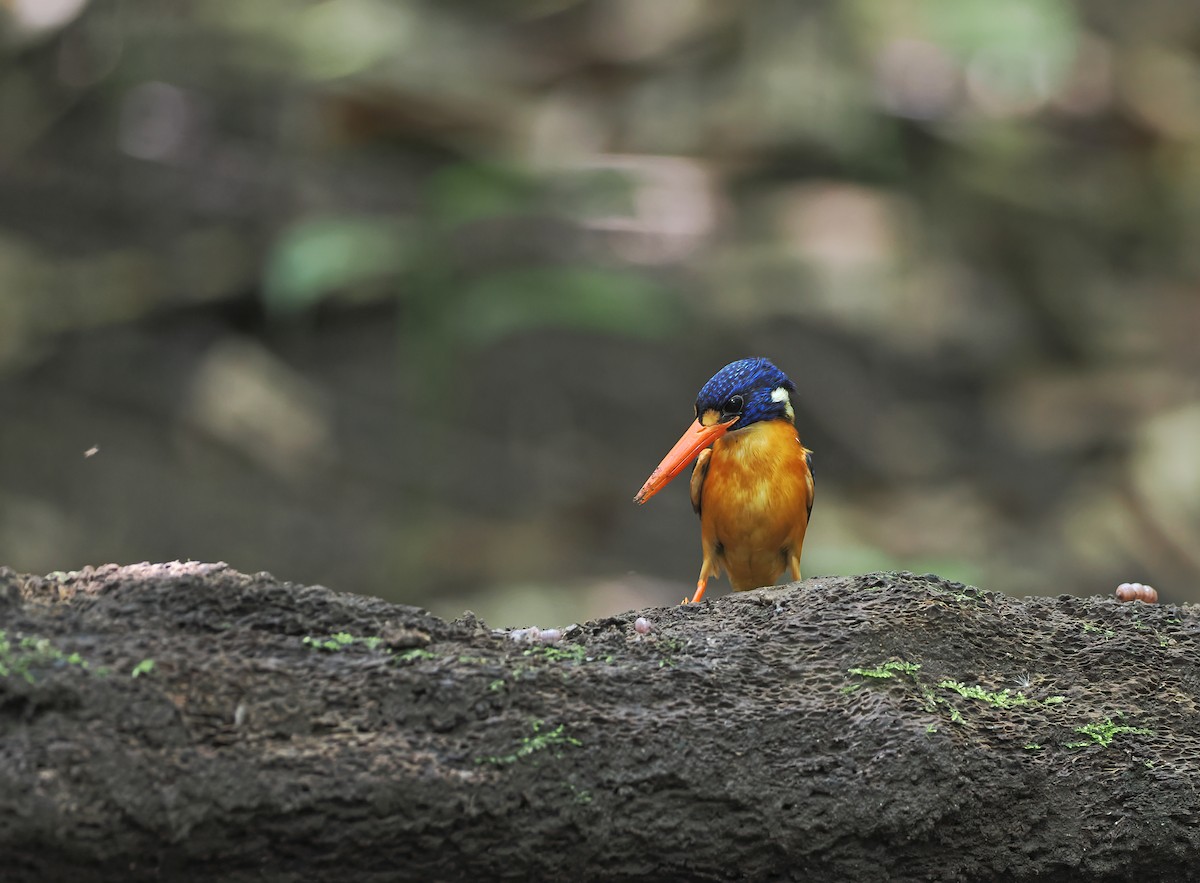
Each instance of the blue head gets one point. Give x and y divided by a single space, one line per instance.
739 395
751 390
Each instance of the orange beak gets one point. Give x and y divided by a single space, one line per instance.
694 440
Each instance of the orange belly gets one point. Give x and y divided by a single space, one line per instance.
754 505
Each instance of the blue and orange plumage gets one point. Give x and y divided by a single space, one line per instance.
752 484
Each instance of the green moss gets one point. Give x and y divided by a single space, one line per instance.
929 699
539 741
1103 733
340 641
142 668
887 670
1003 699
933 703
414 654
882 672
960 596
20 656
668 647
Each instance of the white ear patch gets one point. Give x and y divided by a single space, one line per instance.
779 394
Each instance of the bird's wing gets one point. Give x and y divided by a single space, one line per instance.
808 480
699 472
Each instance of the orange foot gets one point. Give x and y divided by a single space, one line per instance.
701 585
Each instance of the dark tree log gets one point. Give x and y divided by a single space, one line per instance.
1049 738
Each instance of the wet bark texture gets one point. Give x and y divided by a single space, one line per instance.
735 740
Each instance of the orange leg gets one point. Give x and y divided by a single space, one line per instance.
707 571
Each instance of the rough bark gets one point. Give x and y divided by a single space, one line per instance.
734 740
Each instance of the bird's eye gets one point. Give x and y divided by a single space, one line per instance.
734 406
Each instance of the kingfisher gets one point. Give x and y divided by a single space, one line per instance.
752 484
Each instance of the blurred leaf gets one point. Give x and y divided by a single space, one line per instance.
606 300
591 193
338 38
319 257
1042 29
470 192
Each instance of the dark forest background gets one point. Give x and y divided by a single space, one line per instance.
408 298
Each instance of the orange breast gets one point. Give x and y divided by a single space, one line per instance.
755 502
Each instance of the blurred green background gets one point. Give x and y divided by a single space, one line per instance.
408 298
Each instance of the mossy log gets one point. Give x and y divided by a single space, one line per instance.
882 727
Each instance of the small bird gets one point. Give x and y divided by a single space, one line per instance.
752 485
